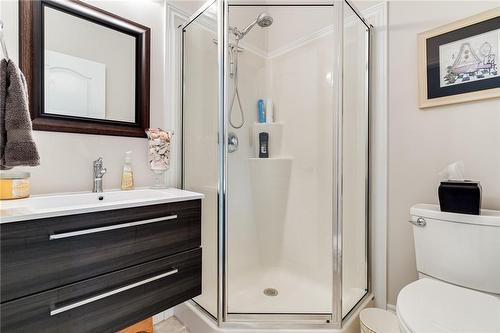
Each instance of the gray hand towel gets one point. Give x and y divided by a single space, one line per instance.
17 146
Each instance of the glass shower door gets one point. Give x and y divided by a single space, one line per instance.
199 138
285 213
279 201
355 159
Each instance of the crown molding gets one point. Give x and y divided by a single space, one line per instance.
323 32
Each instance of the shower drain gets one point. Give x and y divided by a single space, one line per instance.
271 292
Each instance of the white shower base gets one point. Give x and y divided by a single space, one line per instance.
197 322
296 293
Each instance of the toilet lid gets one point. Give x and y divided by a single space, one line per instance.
427 305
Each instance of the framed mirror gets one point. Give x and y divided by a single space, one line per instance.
87 70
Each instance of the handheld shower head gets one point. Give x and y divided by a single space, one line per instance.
264 20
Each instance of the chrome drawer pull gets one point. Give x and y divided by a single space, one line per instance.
420 222
110 293
110 227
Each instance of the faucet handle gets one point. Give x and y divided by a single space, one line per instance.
98 162
98 169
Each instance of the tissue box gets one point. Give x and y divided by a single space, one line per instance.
460 196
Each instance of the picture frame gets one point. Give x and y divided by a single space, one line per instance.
460 61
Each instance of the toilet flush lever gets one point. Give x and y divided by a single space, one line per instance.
420 222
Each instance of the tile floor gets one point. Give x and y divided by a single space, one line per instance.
171 325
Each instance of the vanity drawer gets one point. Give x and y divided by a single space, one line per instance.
109 302
39 255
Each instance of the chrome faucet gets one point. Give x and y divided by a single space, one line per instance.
99 171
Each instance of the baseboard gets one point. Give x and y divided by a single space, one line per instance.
163 316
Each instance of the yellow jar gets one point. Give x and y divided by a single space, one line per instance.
14 185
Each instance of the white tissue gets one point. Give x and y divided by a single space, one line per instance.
454 171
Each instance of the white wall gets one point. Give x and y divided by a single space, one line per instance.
421 143
66 158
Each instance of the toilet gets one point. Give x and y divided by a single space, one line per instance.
458 262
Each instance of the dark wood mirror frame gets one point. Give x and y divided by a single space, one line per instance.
31 51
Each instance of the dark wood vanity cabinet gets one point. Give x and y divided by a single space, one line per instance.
100 271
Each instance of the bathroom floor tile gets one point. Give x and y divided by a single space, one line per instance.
171 325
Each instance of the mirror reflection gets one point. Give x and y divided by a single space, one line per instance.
89 69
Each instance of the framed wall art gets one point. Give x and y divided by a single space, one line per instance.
459 62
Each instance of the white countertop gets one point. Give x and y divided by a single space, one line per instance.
43 206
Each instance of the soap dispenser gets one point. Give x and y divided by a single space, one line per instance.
128 175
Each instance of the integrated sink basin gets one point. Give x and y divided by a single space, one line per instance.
44 206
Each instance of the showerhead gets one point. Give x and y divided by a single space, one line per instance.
264 20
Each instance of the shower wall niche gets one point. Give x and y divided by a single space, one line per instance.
272 227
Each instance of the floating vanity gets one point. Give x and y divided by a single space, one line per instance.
97 262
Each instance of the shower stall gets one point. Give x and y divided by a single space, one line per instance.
285 214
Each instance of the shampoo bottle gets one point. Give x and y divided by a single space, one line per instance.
269 111
262 111
127 176
263 145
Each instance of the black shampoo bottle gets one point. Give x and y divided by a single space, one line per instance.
263 145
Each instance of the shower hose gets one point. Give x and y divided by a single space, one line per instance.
236 94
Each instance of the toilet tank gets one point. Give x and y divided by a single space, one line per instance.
458 248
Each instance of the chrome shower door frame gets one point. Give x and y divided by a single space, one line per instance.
331 320
337 294
264 320
216 319
222 263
